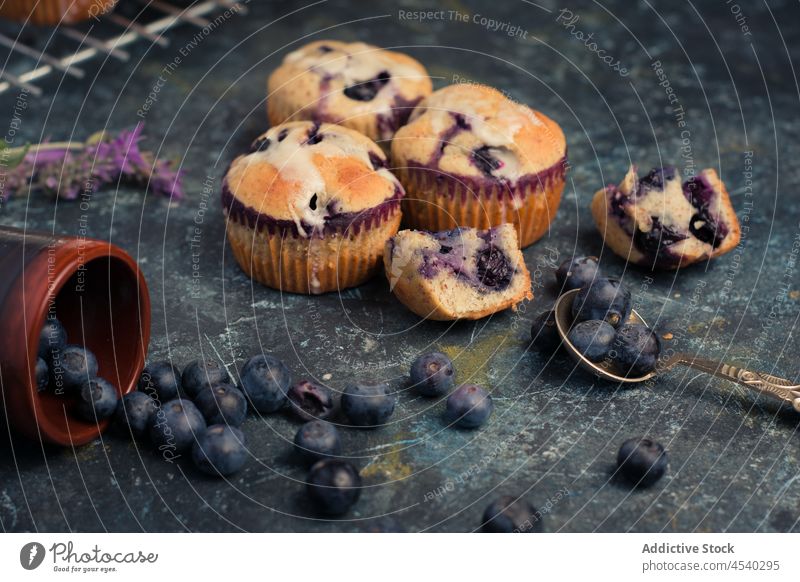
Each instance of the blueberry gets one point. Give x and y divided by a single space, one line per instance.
52 338
177 425
494 269
97 399
433 374
260 145
656 179
577 272
485 161
199 374
72 367
636 350
317 440
605 299
310 400
642 461
314 136
656 241
333 486
220 450
222 404
507 514
368 405
161 380
42 375
265 381
593 339
469 406
135 411
544 332
367 90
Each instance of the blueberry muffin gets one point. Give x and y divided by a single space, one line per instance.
354 84
659 223
463 273
311 207
53 12
470 156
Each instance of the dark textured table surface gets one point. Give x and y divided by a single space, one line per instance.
555 432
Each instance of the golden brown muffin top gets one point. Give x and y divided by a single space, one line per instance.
348 79
471 130
306 172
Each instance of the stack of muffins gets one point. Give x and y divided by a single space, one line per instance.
312 206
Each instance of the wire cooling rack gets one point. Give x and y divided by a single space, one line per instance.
90 46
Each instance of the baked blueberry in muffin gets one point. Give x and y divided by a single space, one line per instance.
311 207
463 273
354 84
469 156
658 222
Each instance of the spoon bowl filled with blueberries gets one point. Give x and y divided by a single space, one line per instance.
597 327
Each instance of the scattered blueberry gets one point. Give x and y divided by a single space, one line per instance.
52 338
310 400
222 404
593 339
199 374
544 332
265 381
605 299
42 375
317 440
219 450
97 399
333 485
469 406
161 380
135 411
368 405
177 424
367 90
636 350
432 374
508 514
577 272
642 461
493 268
72 367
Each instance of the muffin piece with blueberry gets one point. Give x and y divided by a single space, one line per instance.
463 273
311 207
660 223
470 156
357 85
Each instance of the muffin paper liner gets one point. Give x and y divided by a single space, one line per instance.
436 201
336 259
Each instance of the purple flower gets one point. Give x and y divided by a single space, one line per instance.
70 169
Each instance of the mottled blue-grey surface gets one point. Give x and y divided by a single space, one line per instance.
555 432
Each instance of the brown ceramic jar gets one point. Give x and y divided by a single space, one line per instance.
98 292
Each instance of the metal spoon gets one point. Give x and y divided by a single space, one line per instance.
777 388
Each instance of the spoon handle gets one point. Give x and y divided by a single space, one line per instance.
761 382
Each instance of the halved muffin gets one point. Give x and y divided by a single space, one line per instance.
311 207
657 222
463 273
